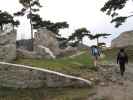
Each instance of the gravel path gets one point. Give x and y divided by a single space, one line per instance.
121 88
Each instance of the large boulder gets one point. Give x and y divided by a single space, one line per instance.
7 45
125 39
45 42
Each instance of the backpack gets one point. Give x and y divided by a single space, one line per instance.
95 51
122 55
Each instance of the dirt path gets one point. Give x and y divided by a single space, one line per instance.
117 89
77 54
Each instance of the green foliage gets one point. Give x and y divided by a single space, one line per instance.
97 36
119 20
78 36
35 18
63 42
38 22
30 7
111 7
56 26
6 18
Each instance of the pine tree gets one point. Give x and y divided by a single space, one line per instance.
6 18
78 36
111 7
99 35
30 7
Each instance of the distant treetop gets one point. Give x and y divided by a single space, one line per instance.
111 7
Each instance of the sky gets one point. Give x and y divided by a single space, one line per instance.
77 13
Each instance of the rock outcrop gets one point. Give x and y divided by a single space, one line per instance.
47 46
125 39
20 76
7 45
45 43
24 44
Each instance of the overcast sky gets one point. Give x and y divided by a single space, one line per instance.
78 13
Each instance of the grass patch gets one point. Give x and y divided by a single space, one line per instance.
79 65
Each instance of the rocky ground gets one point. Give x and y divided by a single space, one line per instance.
111 86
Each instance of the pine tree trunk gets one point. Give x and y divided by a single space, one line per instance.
31 30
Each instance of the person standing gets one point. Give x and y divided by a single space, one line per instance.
122 59
95 53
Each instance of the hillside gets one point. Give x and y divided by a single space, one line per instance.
124 39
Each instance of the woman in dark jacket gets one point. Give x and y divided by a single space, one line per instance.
122 59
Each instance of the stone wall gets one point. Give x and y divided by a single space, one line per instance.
7 45
20 76
125 39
